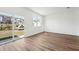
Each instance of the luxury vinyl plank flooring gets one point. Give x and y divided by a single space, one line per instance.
44 41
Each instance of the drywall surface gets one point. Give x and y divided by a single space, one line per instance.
27 14
77 15
65 22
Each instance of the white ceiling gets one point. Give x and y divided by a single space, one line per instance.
49 10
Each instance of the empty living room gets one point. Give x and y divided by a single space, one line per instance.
39 28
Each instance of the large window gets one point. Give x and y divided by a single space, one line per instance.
5 27
36 21
19 27
11 27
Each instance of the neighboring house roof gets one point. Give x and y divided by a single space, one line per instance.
21 26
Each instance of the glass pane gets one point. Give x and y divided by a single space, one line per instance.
5 27
19 27
36 21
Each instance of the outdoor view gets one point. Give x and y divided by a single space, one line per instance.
6 28
19 27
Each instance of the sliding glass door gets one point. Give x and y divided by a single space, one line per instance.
19 27
11 27
5 27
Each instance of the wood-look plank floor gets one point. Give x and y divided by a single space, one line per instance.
44 42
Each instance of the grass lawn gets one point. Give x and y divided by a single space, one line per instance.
19 32
8 33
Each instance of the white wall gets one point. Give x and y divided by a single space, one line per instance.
27 14
77 15
66 22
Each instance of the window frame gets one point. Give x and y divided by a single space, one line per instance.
36 21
